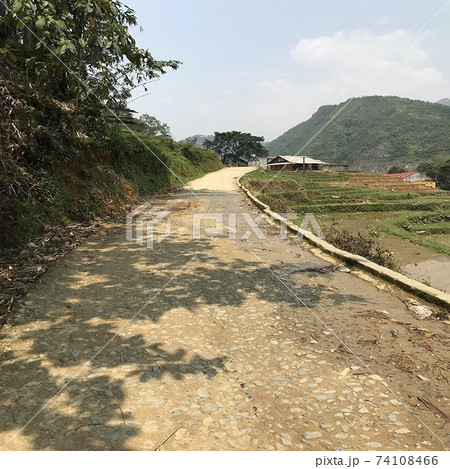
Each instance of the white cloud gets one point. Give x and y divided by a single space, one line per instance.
323 70
364 63
345 65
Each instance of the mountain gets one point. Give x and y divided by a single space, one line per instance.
444 101
371 133
199 139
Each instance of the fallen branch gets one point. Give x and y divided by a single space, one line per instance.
167 439
433 408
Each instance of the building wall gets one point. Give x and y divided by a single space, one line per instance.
416 177
287 167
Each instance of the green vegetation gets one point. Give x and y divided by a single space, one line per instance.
70 150
418 213
233 146
150 125
396 170
439 170
371 134
420 228
75 51
51 173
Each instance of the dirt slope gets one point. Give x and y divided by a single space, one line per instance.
217 343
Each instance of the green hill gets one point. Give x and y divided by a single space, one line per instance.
371 133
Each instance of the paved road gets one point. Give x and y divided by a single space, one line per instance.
224 342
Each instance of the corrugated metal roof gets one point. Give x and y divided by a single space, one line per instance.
401 175
297 160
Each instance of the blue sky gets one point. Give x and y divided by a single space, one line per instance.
265 66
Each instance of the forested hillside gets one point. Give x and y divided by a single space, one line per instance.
371 133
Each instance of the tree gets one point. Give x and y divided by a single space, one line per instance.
439 170
397 169
234 145
152 126
75 50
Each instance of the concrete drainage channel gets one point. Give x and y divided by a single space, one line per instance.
418 288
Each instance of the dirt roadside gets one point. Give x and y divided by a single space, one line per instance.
239 344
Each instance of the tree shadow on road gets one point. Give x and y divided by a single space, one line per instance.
69 331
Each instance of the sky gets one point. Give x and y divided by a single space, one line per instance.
263 66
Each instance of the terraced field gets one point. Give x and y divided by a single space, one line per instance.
419 214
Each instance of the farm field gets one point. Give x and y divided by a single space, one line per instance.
410 222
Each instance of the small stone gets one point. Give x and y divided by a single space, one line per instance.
75 353
74 388
426 443
109 393
325 425
374 444
403 430
131 432
324 397
210 407
392 417
395 402
322 362
42 347
96 419
311 435
341 436
278 378
423 378
286 442
301 371
363 410
310 356
258 383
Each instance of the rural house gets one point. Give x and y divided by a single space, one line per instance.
296 163
414 177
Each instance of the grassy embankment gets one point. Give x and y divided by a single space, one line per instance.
416 216
54 172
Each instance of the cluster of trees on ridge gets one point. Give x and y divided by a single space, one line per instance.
235 146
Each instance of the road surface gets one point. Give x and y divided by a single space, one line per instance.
224 342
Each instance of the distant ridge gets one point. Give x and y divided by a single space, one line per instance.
444 101
372 133
199 139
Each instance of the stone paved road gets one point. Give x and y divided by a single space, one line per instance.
240 344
